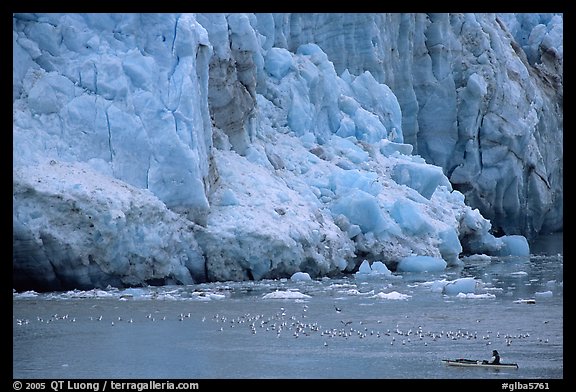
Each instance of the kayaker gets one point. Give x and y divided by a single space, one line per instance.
495 360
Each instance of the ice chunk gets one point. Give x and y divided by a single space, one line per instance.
361 209
421 264
316 54
462 285
368 126
514 245
349 149
530 301
286 295
378 98
409 218
542 294
475 296
391 295
300 277
278 62
380 268
450 246
365 267
388 148
343 181
422 177
436 286
26 294
347 127
377 268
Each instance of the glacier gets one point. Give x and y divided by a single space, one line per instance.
183 148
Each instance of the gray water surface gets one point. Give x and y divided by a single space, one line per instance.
344 329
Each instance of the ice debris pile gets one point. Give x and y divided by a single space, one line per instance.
167 148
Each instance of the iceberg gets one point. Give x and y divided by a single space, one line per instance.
462 285
375 270
514 245
154 149
421 264
394 295
286 295
300 277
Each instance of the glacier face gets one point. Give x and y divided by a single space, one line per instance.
163 148
481 97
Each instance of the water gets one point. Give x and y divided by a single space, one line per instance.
343 330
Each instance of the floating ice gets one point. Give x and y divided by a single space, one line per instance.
285 295
375 270
544 294
380 268
216 296
26 294
436 286
300 277
529 301
391 295
514 245
421 264
462 285
356 292
475 296
477 258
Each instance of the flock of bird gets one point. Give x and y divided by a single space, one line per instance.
283 324
296 324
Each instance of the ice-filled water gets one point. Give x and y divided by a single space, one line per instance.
368 326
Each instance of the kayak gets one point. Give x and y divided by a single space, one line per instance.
479 363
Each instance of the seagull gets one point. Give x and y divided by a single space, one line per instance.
337 309
346 322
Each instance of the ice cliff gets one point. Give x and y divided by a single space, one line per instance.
164 148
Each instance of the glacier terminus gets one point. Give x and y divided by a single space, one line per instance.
153 149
